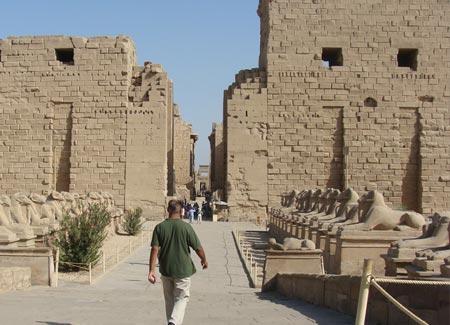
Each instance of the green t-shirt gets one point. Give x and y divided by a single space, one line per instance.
174 237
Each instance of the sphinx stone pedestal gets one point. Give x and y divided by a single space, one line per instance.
39 260
321 240
296 229
424 269
428 263
290 261
306 230
403 253
330 252
352 247
313 232
7 238
445 269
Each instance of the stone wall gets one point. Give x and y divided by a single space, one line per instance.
58 114
340 292
182 158
202 181
147 140
77 114
354 98
217 165
245 122
391 120
170 141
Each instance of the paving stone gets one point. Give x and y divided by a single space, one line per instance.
220 295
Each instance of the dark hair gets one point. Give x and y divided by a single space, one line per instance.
174 206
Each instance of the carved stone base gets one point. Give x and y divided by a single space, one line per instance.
40 260
414 272
321 239
330 252
445 271
292 261
40 230
403 252
428 265
313 233
396 266
7 237
355 246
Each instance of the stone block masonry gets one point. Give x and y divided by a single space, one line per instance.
245 133
78 114
217 165
357 94
14 278
183 157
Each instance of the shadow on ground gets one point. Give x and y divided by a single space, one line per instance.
313 312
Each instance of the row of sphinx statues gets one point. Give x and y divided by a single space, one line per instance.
24 217
332 208
425 252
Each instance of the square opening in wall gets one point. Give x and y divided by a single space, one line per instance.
407 58
65 56
332 57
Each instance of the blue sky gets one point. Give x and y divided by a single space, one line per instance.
202 44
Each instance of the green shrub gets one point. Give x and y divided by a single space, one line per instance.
82 237
132 223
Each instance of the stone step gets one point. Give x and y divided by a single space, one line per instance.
14 278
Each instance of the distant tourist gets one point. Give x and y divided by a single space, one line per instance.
199 216
191 213
196 207
171 243
186 209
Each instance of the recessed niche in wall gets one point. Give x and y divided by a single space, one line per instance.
65 56
332 57
370 102
407 58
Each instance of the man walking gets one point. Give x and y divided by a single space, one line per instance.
171 241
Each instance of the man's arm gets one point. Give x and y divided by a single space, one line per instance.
201 253
152 264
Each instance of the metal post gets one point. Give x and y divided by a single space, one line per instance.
103 262
364 292
251 266
90 273
56 268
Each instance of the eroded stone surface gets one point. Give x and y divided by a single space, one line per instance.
82 116
219 295
335 102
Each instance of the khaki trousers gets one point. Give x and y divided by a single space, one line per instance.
176 296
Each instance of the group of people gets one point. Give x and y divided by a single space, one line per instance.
193 212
